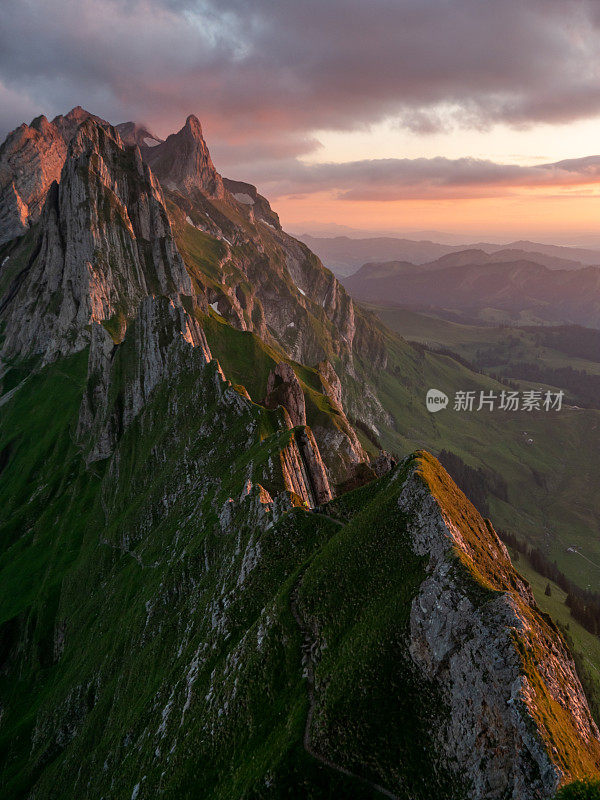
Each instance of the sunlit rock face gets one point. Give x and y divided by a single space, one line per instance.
183 162
343 624
31 158
103 243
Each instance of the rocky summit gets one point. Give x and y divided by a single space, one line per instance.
214 580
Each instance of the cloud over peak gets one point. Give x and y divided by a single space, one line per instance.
265 77
288 68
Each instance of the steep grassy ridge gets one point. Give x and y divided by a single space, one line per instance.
158 564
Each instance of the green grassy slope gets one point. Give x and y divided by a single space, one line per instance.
584 644
548 459
123 570
152 640
489 347
357 593
85 555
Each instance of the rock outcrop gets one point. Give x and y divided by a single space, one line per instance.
104 244
304 471
31 159
182 162
383 464
315 468
332 386
283 389
518 722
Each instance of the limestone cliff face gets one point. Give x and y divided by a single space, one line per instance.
31 159
165 343
293 297
182 162
518 723
103 244
283 389
163 340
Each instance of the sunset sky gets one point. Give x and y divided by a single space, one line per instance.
471 117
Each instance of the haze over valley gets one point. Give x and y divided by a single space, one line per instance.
298 509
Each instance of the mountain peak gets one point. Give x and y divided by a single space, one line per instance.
40 124
183 163
68 123
102 187
94 133
192 124
73 117
77 112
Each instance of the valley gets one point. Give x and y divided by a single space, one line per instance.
218 472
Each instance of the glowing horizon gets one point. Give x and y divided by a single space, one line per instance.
465 100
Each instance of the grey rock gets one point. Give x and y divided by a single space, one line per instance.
494 735
105 243
31 159
283 389
162 340
182 162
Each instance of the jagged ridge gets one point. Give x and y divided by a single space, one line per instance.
181 505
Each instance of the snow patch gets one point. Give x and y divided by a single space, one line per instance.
264 222
242 197
301 292
150 142
5 260
193 224
136 791
215 307
291 325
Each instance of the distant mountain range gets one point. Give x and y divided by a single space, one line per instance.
214 582
501 287
344 255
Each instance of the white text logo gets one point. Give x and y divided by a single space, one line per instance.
436 400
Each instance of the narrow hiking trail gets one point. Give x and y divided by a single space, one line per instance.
308 650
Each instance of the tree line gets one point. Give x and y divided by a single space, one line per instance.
583 604
478 484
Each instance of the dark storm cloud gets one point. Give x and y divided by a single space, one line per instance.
298 65
263 75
